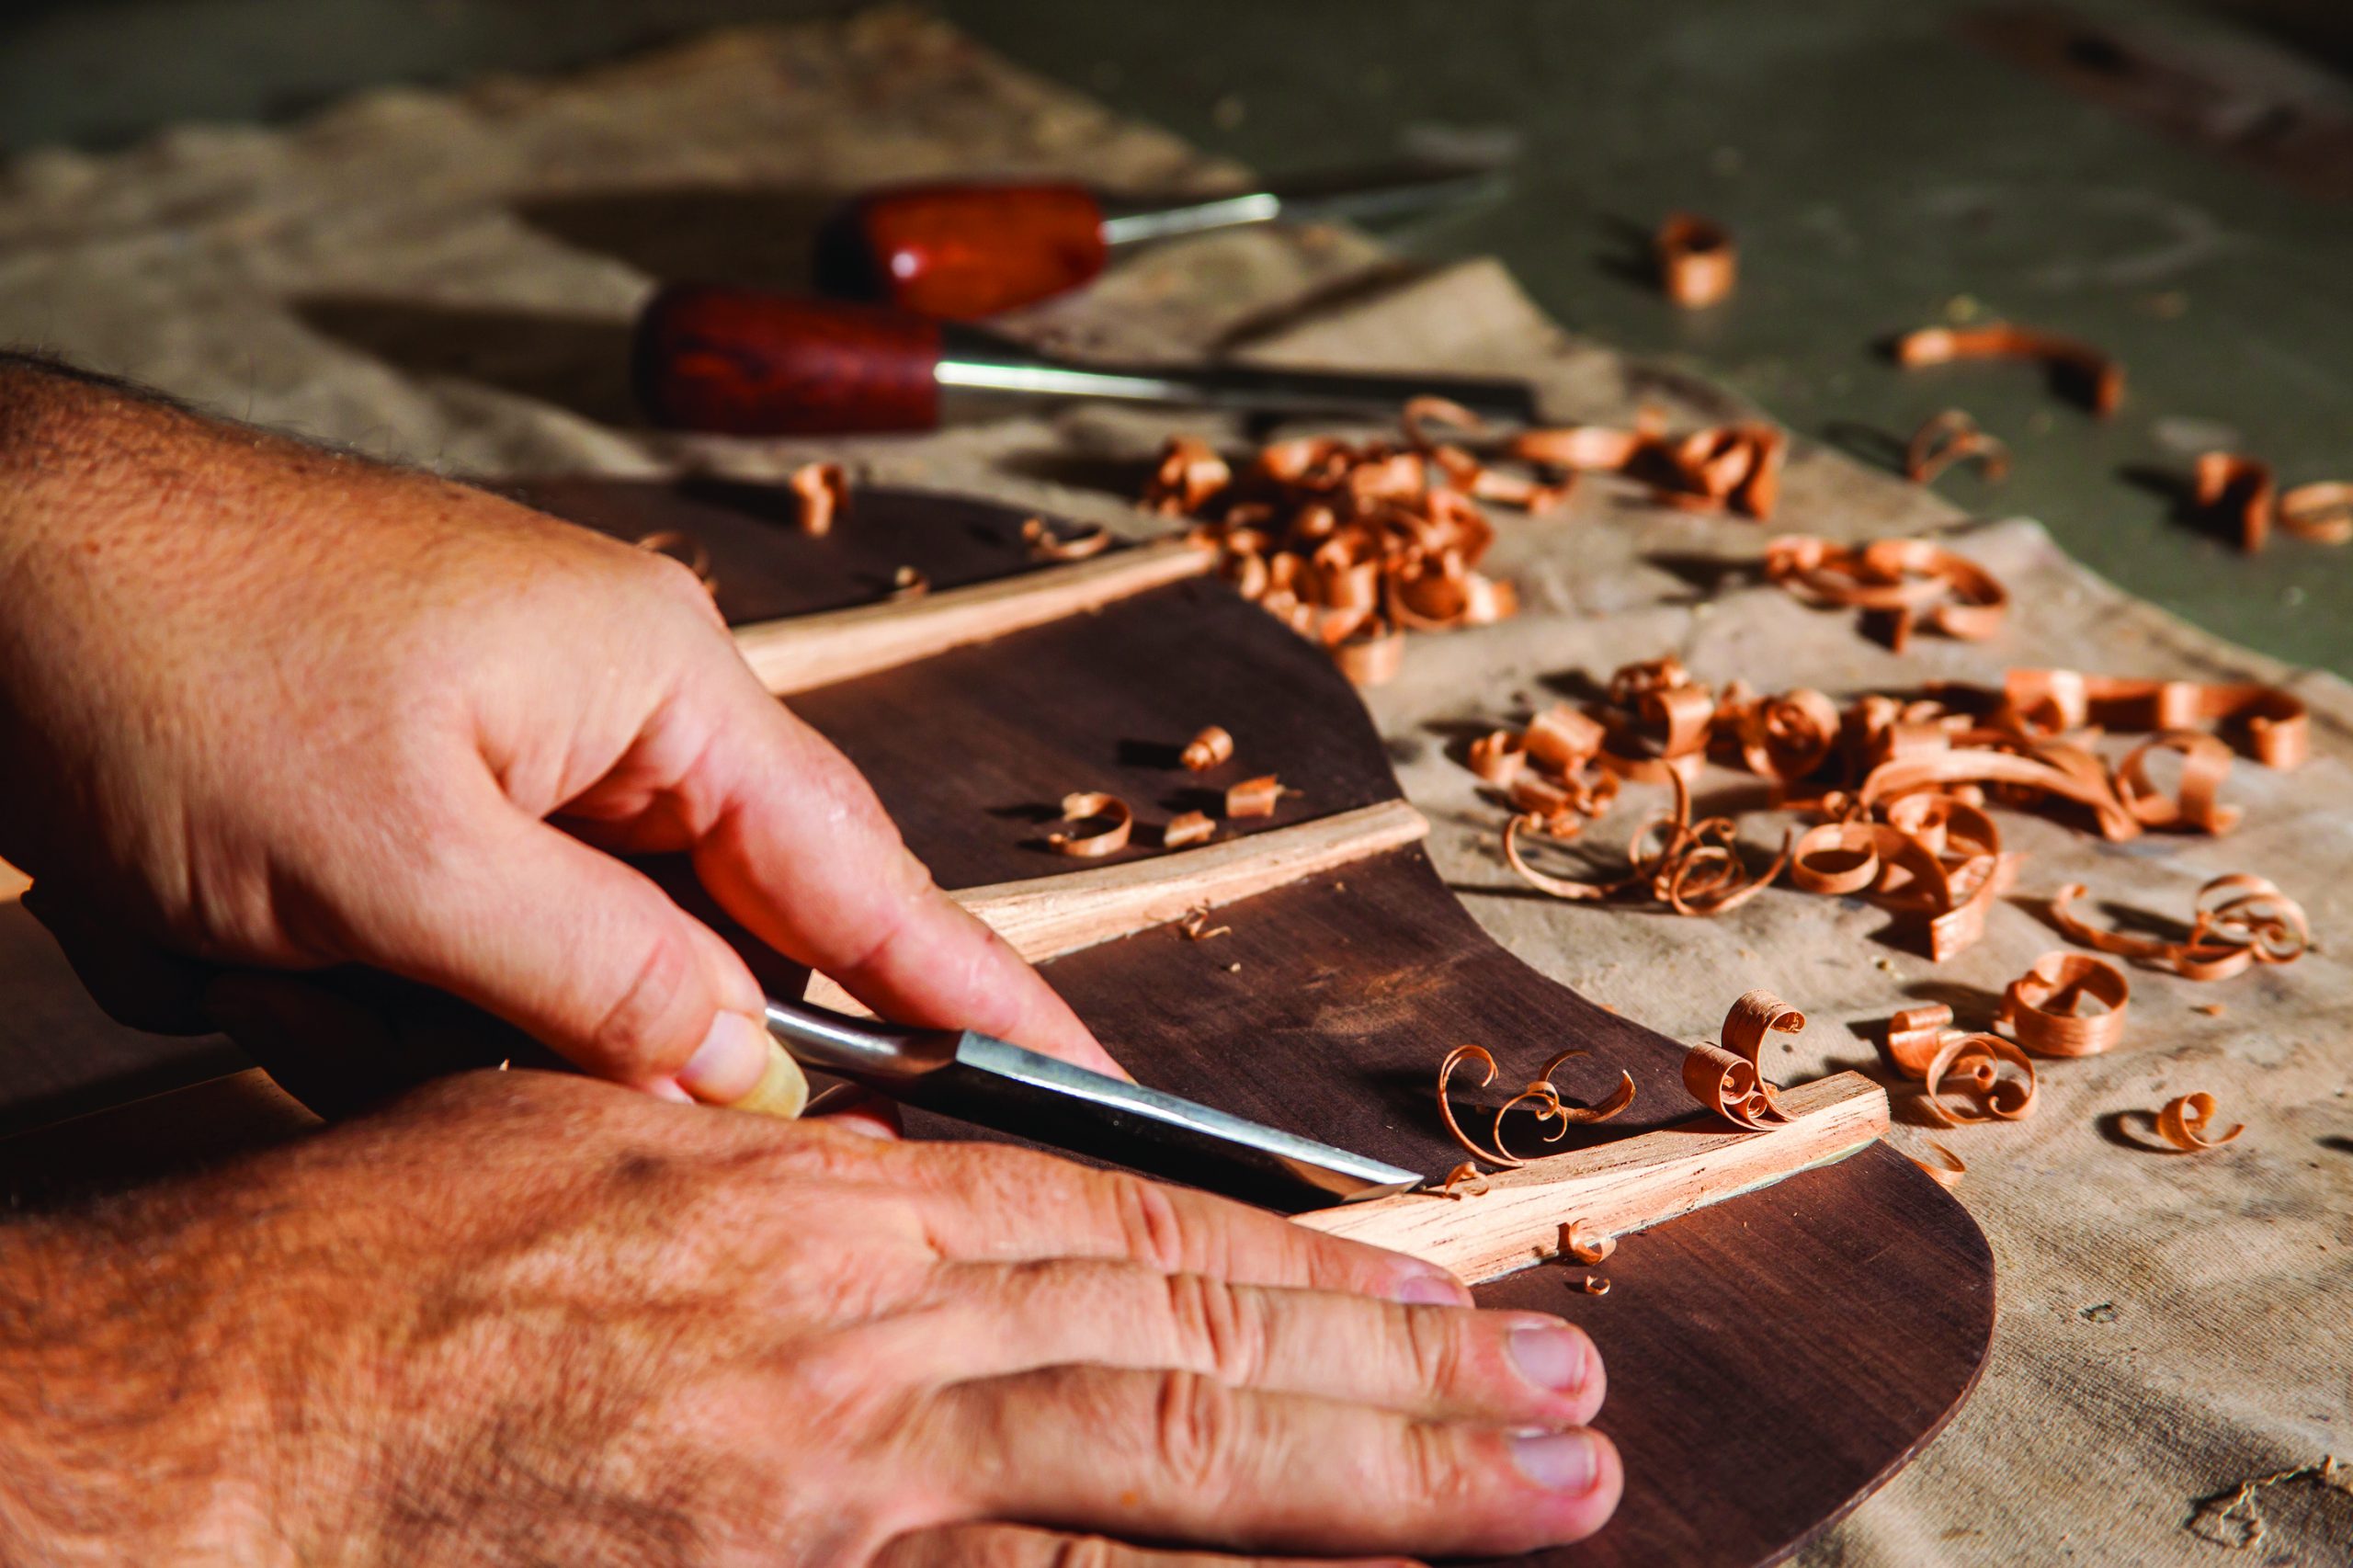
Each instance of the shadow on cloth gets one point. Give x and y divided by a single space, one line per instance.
574 362
765 237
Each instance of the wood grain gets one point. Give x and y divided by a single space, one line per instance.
1046 917
1628 1184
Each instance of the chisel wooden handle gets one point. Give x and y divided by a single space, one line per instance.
748 362
960 252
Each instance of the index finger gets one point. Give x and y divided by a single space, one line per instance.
796 847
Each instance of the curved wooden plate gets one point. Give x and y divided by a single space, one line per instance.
1771 1360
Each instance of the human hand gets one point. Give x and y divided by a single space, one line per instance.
522 1317
272 706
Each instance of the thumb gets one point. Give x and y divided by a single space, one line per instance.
592 959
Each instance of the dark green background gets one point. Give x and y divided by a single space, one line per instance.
1876 170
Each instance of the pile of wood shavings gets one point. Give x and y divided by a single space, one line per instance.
1353 545
1901 786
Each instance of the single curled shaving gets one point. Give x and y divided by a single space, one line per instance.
1914 1035
2238 921
1207 748
820 496
2095 377
1950 437
1947 1175
1975 1061
1255 797
2183 1123
2042 1006
1186 828
1580 1240
1094 805
1049 543
1696 260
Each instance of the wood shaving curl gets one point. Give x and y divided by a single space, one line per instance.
1947 1175
1207 749
2183 1120
2239 490
1974 1063
1255 797
1897 583
2238 921
2043 1008
2321 512
1049 543
1188 828
1092 805
1914 1036
1540 1092
1950 437
1727 1076
1578 1243
1696 260
1595 1285
820 495
1195 925
1465 1180
2095 377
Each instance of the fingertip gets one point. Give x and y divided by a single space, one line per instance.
1577 1476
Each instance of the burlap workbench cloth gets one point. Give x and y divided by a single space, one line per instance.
440 279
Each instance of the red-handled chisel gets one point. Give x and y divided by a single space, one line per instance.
962 250
747 362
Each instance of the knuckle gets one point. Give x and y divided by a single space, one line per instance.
1222 1330
1195 1430
1430 1341
639 1031
1148 1222
1430 1473
1078 1552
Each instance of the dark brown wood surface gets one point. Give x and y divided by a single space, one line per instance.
1770 1360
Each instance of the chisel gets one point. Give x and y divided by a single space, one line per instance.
749 362
977 1078
959 250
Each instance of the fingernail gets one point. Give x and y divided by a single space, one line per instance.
1427 1290
1551 1355
1558 1461
727 1065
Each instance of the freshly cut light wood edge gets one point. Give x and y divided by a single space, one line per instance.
805 650
1615 1188
13 883
1047 916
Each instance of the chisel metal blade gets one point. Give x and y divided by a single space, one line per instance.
991 1083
